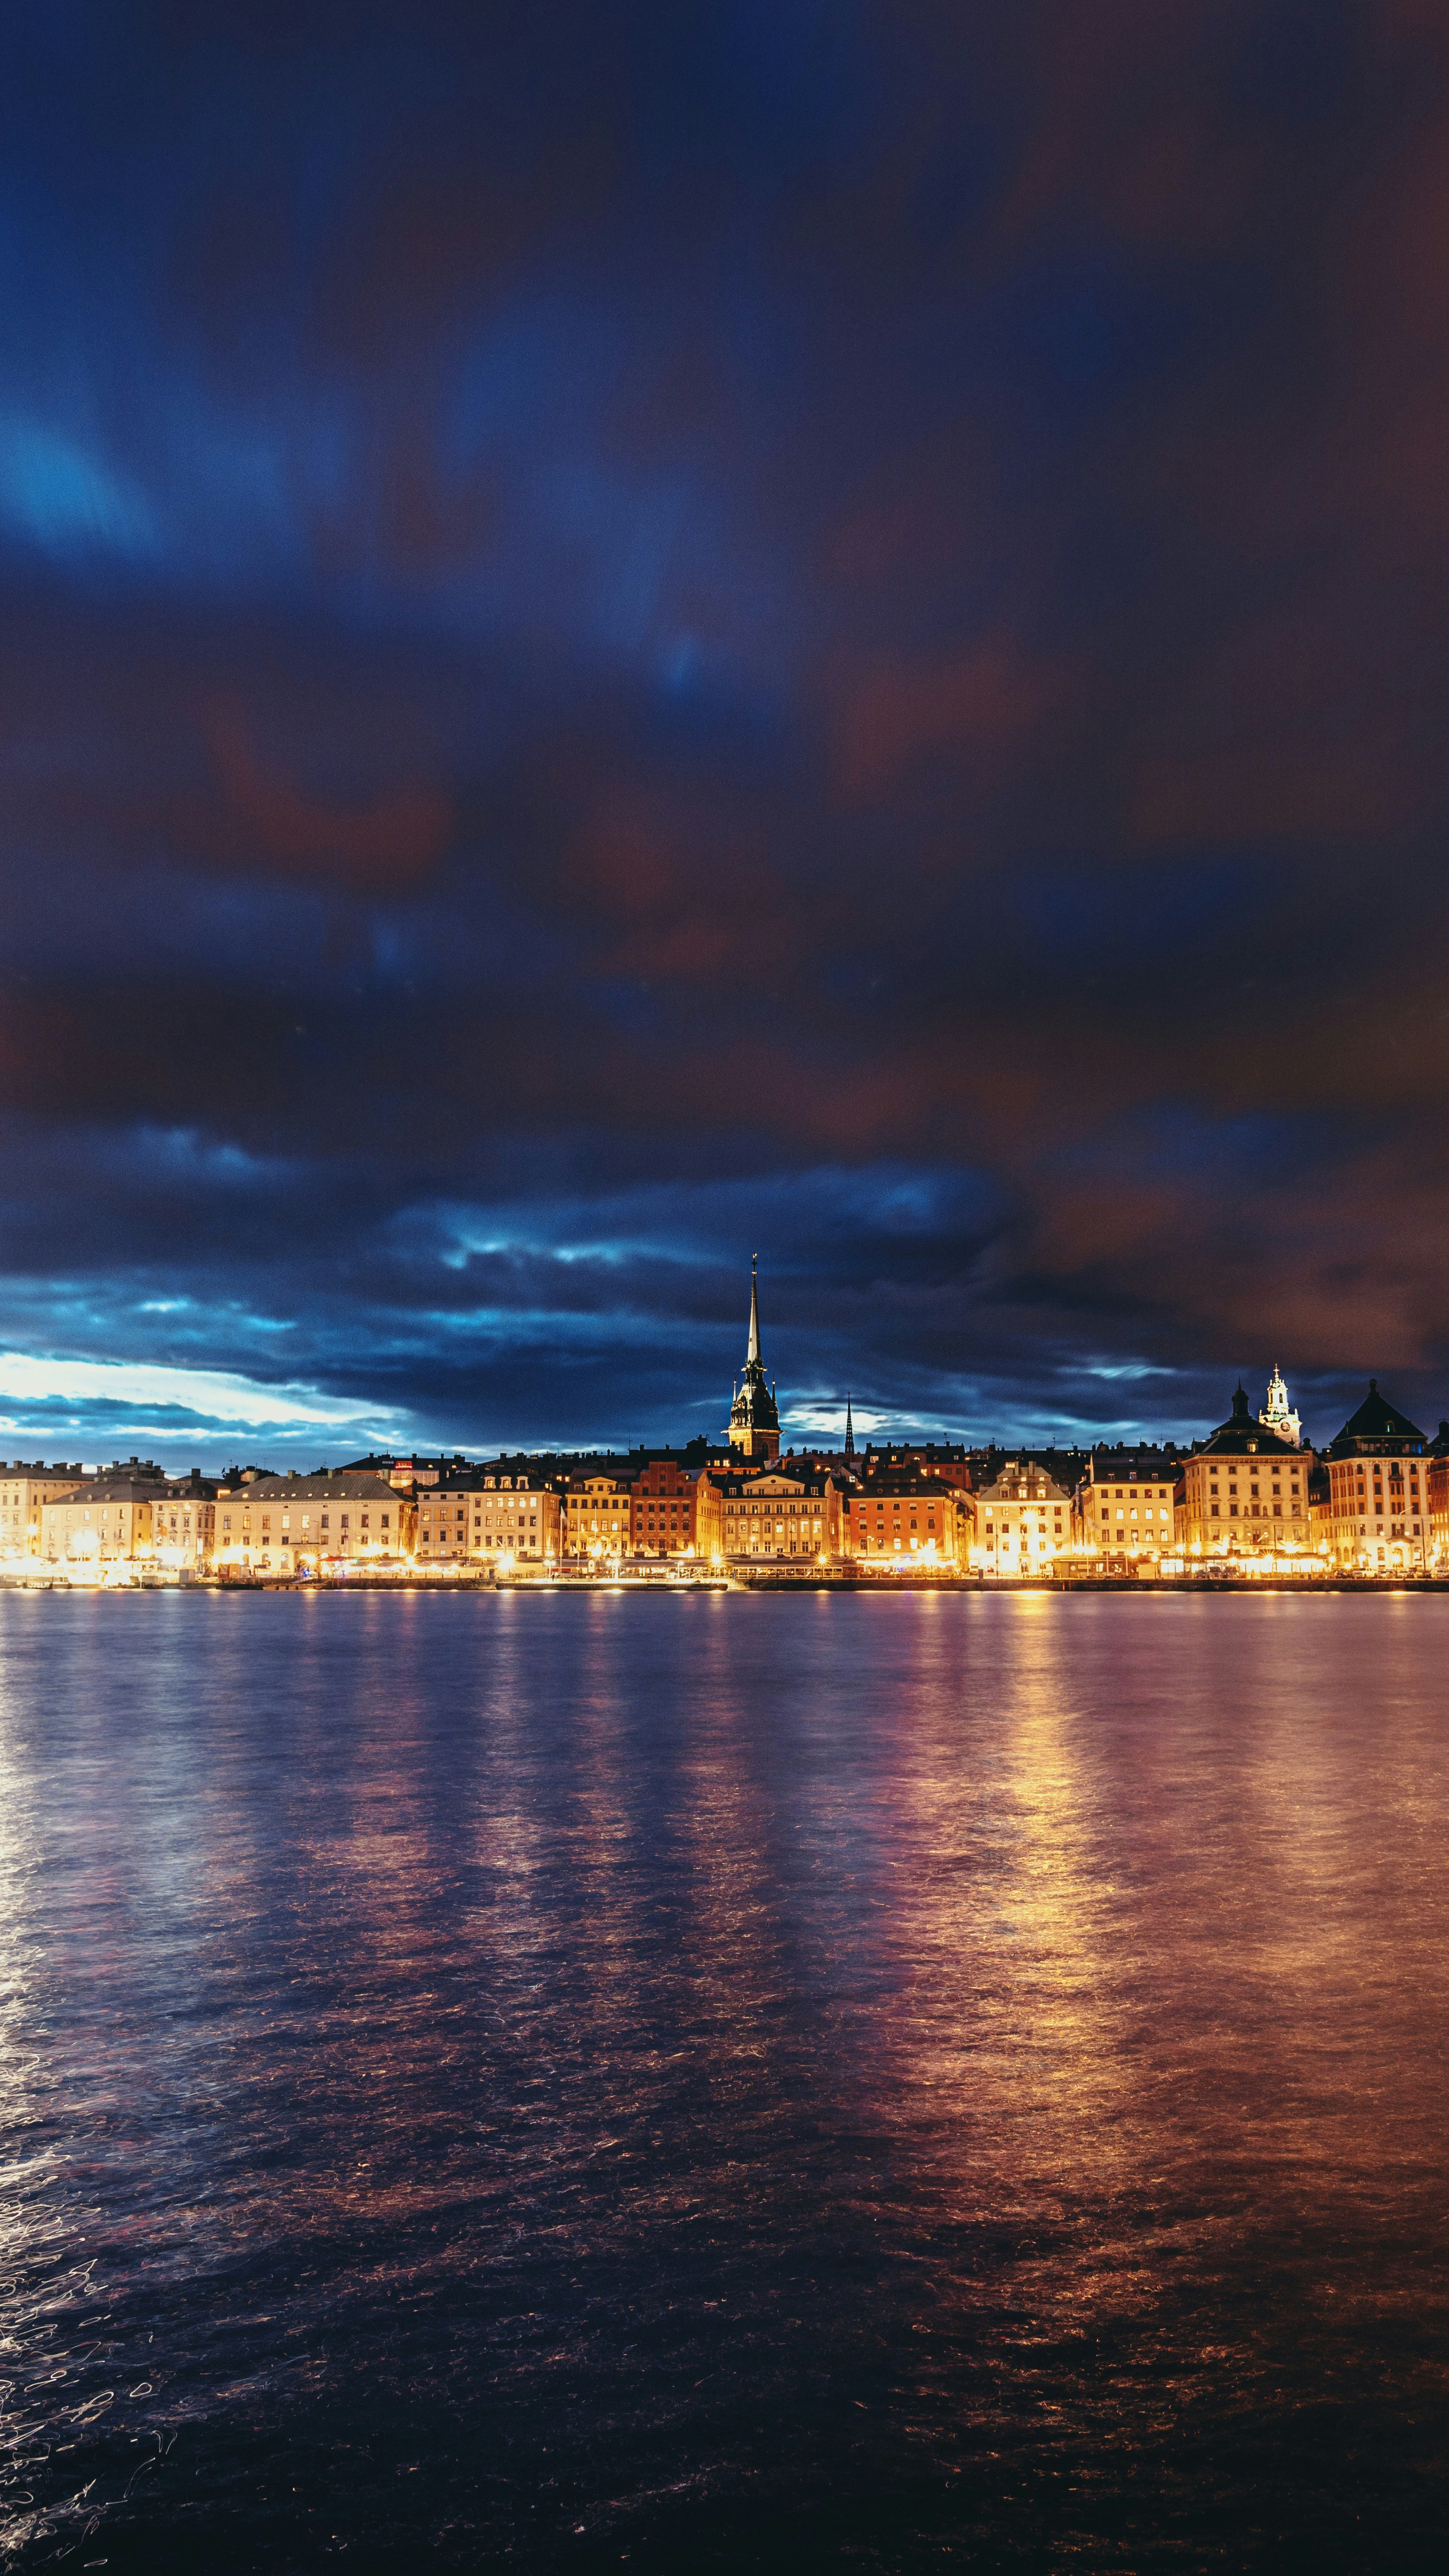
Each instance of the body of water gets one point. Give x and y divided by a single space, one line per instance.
723 2082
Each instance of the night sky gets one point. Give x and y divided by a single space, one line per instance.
632 635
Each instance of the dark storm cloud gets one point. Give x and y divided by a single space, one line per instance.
630 634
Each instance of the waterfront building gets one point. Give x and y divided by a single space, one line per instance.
24 1492
1379 1489
104 1520
1023 1521
503 1514
896 1517
789 1509
1277 1414
598 1521
1244 1492
754 1414
1124 1506
310 1524
183 1523
1438 1457
446 1503
664 1509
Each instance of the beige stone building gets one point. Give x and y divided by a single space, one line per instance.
1245 1492
1379 1491
1023 1522
105 1520
310 1524
786 1510
505 1514
1125 1507
24 1493
894 1519
183 1524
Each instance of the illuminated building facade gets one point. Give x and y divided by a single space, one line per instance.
1023 1521
598 1519
183 1522
1245 1491
754 1414
896 1517
1125 1506
302 1524
502 1514
1438 1457
664 1509
24 1493
790 1509
1379 1490
105 1520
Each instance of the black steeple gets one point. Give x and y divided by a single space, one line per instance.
754 1414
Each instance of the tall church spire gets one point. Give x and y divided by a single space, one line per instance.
754 1414
849 1431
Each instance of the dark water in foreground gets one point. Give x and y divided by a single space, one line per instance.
724 2082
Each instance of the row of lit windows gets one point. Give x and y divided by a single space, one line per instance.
1378 1534
344 1519
1395 1476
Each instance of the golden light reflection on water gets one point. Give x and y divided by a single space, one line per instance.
689 2003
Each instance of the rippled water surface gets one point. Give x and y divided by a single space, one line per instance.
723 2082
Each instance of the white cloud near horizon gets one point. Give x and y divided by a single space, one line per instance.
214 1395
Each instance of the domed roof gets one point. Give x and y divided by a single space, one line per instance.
1242 1435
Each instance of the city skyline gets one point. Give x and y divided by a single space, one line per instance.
1250 1502
819 1422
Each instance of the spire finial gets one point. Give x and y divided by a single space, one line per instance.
752 1355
